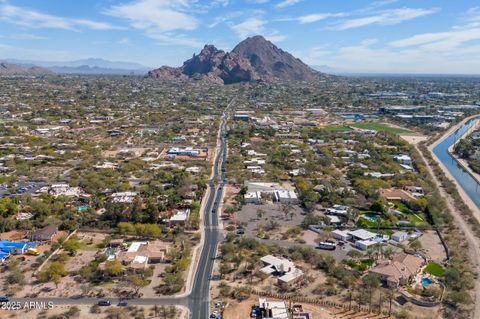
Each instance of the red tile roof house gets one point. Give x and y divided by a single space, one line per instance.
400 270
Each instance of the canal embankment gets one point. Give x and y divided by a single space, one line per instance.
468 187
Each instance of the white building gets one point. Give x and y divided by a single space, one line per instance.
341 210
286 196
180 218
340 234
399 236
253 198
274 309
123 197
282 267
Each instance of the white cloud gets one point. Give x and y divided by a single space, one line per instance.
174 39
159 19
252 26
124 41
224 18
314 17
287 3
372 56
34 19
159 15
256 26
385 17
27 36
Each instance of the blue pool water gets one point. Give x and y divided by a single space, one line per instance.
426 281
371 217
82 208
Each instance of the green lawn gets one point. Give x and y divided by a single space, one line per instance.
381 127
337 128
416 220
435 269
361 265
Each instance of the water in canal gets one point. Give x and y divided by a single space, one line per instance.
466 181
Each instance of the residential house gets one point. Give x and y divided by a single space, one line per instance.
285 270
361 238
405 161
140 254
399 236
400 270
44 234
180 218
396 194
339 210
123 197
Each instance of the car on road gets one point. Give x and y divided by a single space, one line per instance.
255 312
123 303
104 303
4 299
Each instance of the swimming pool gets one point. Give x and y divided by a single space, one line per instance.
426 281
82 208
371 217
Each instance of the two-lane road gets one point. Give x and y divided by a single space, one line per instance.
198 300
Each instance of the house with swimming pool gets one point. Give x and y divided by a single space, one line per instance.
400 270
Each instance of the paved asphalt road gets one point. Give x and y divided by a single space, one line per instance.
199 298
198 301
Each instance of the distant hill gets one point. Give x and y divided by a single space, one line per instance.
15 69
254 59
87 66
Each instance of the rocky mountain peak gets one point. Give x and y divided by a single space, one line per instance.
253 59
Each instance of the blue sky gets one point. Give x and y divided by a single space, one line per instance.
400 36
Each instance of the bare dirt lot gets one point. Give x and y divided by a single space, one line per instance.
241 310
432 245
275 217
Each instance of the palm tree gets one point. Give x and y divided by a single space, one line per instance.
388 252
371 283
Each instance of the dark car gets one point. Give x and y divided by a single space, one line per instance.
123 303
4 299
104 303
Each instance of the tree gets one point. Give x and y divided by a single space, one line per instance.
71 245
114 268
137 282
147 230
125 228
371 282
53 272
354 254
15 277
225 269
7 207
457 297
415 244
260 213
379 205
